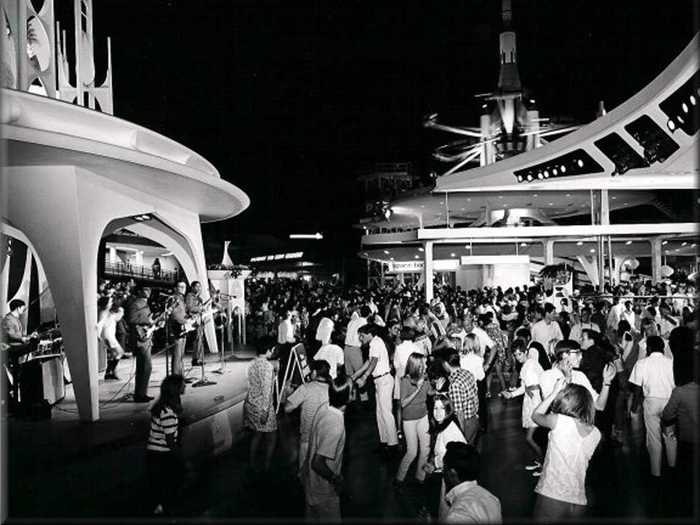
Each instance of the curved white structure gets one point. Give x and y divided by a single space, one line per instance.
74 176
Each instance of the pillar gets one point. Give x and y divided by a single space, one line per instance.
428 270
548 250
656 259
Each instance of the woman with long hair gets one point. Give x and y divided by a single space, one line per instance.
259 413
164 460
414 391
561 490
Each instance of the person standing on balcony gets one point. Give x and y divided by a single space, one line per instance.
155 268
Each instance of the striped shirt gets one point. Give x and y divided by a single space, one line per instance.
162 425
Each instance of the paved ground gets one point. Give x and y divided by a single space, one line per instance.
110 484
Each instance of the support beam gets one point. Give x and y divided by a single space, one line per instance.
656 259
428 270
590 268
548 247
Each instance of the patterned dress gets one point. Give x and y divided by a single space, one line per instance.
501 339
259 400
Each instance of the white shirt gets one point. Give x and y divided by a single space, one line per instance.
630 317
351 337
324 330
401 353
473 363
285 332
333 354
548 379
377 349
543 332
484 338
470 503
655 375
643 349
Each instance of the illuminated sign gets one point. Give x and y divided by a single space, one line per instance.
276 257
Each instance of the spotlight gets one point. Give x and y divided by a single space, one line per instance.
580 163
386 252
555 172
523 244
664 243
520 178
592 250
692 100
671 125
529 177
579 243
684 243
546 174
563 168
420 249
452 255
684 107
540 176
628 243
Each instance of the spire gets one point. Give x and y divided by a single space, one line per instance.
508 78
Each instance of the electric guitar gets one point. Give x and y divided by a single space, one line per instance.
195 321
144 333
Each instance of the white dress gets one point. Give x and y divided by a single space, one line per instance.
530 376
564 472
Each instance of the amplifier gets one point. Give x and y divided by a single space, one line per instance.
42 379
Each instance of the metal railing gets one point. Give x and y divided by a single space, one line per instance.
120 269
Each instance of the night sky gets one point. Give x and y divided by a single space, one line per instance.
289 99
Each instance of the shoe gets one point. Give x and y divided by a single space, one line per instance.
144 399
535 465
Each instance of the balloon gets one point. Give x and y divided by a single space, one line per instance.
666 271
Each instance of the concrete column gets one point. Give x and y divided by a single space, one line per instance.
590 268
656 259
548 250
428 270
112 255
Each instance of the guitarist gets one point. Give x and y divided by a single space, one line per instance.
195 306
140 320
178 316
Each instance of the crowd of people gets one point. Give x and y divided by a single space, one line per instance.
584 365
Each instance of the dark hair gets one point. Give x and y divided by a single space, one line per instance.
549 308
16 303
365 311
170 392
321 367
407 334
623 326
464 459
102 303
654 344
451 356
339 392
591 334
575 401
519 345
565 346
264 344
368 328
523 333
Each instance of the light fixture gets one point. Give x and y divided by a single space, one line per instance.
693 245
568 194
391 258
523 244
628 243
680 119
387 213
684 107
386 252
692 100
520 178
580 163
143 217
529 177
592 250
551 204
579 243
416 257
664 243
534 194
420 249
684 243
467 247
540 176
563 168
555 172
318 236
453 255
546 174
671 125
613 197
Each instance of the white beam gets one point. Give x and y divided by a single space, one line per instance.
428 270
584 230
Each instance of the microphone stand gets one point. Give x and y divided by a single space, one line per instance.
203 381
222 359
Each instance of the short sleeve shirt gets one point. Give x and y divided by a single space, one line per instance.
332 354
548 379
377 349
655 375
327 439
310 396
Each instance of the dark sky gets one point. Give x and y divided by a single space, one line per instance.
288 99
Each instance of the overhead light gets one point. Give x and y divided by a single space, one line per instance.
684 243
592 250
546 174
318 236
469 199
386 252
467 247
692 100
664 243
534 194
166 254
523 244
568 194
693 245
420 249
520 178
453 255
391 258
554 171
684 106
671 125
613 197
551 204
365 254
529 177
580 163
143 217
416 257
579 243
680 119
628 243
540 176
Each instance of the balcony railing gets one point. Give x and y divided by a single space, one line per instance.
120 269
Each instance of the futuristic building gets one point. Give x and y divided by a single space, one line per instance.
73 175
530 204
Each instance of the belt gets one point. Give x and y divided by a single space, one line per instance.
381 375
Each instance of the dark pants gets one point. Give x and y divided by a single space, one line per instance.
165 472
685 484
283 352
178 348
111 367
483 408
197 345
143 368
552 510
